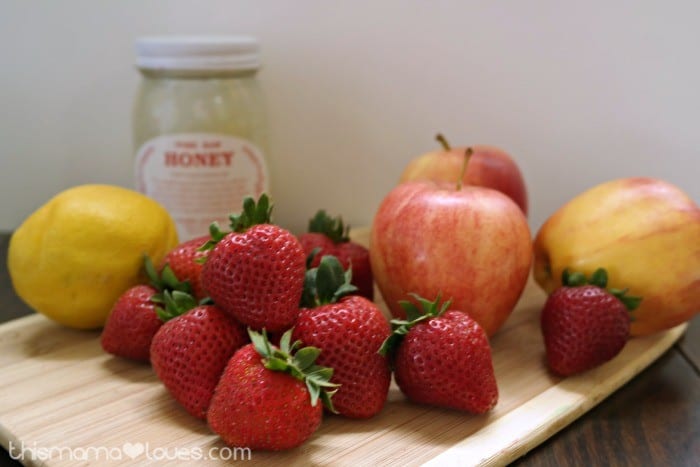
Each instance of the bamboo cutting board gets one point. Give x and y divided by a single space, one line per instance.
68 403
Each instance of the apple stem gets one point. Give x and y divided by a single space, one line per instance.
467 155
441 139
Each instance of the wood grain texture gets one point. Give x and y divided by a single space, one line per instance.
60 389
654 420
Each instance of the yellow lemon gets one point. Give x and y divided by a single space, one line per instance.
72 258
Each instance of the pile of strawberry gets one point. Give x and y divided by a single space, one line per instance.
256 331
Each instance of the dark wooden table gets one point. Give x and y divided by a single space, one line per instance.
654 420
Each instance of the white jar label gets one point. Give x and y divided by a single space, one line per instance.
200 177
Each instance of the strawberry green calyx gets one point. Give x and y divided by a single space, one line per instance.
326 283
215 236
166 280
174 296
173 304
311 256
599 278
299 363
414 315
253 213
331 227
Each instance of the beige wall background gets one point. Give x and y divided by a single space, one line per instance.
577 92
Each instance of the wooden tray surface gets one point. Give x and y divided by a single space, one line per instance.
61 393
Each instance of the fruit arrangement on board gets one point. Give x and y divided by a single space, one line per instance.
259 331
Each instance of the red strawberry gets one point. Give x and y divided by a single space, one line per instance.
310 241
349 331
186 262
330 236
583 324
442 358
134 318
256 273
354 255
267 398
131 324
190 351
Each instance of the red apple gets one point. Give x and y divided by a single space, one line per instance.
489 167
470 244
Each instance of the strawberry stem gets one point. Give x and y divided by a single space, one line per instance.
599 278
166 283
299 364
165 279
331 227
414 315
253 213
175 303
327 283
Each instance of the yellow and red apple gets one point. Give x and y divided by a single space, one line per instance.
644 231
489 167
468 243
